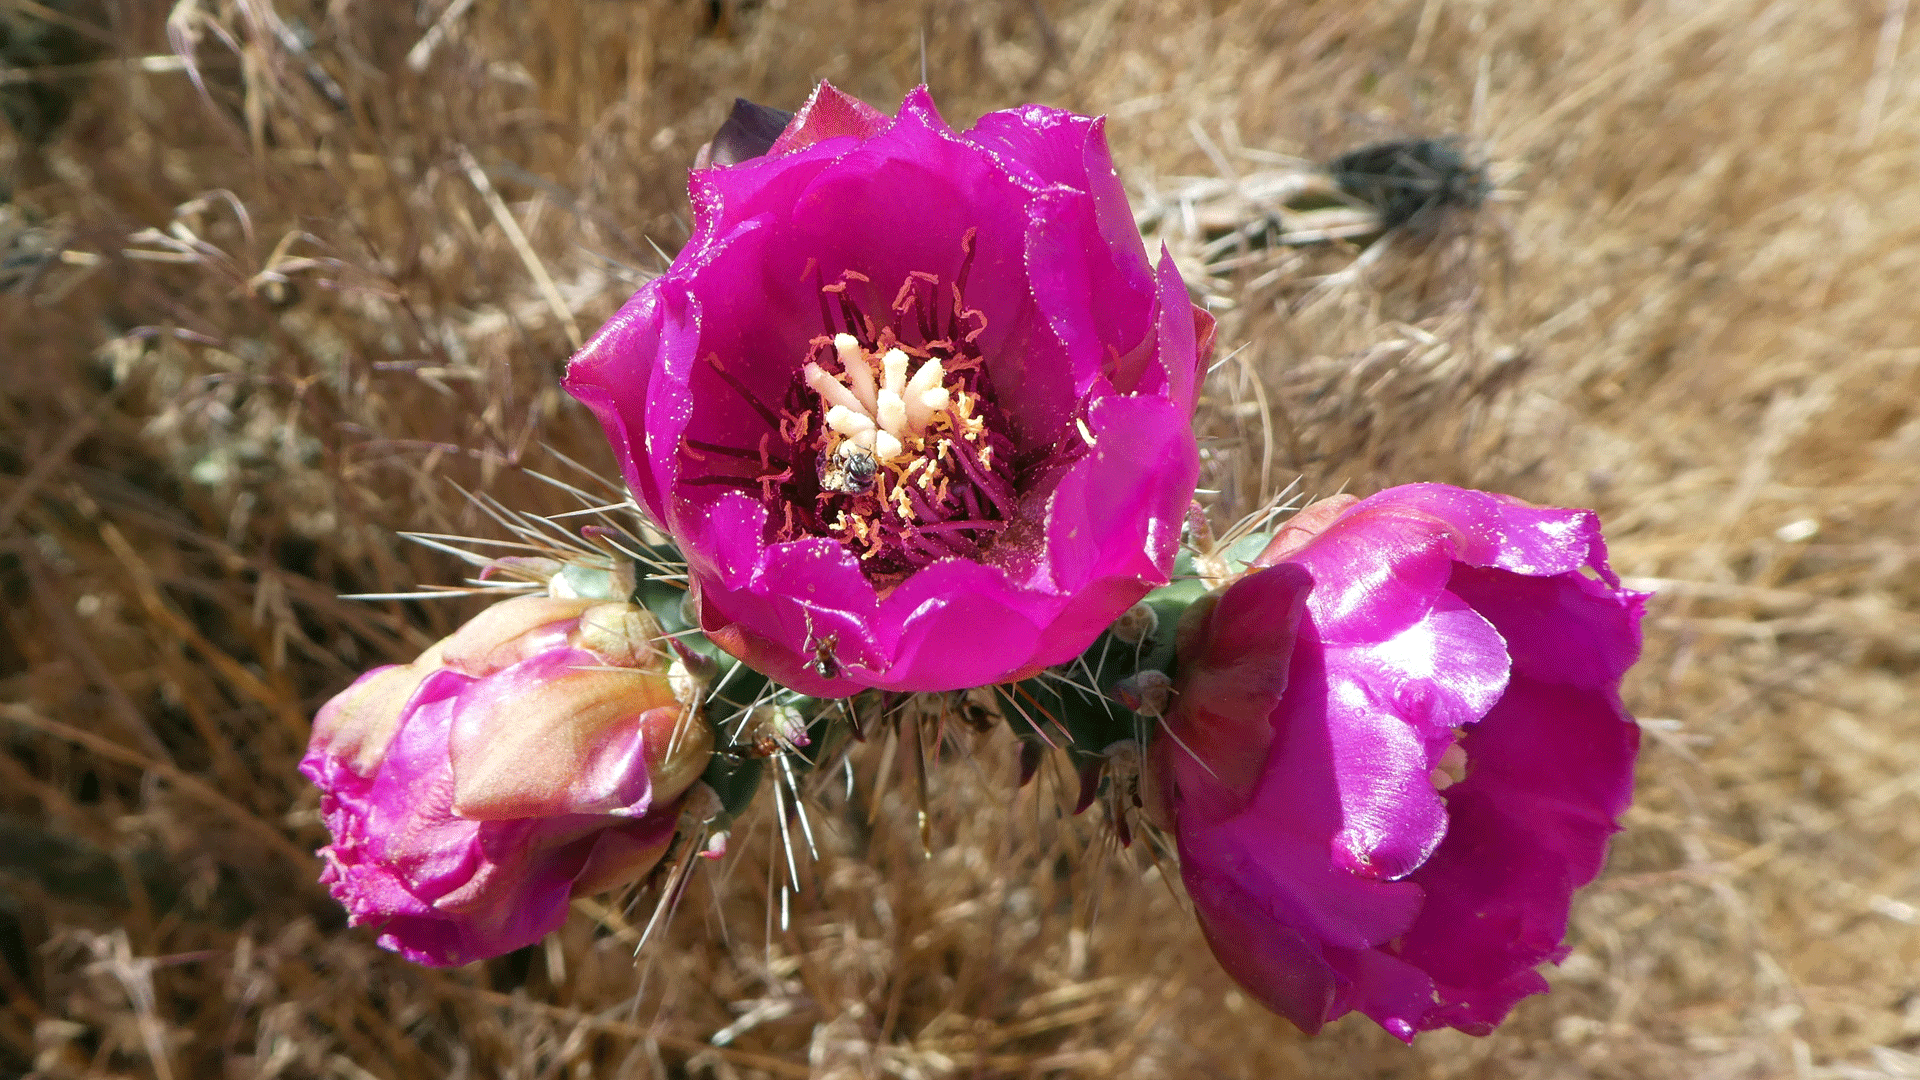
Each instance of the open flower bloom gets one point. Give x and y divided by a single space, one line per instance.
1396 750
537 754
913 403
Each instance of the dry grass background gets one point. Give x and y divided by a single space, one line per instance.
248 334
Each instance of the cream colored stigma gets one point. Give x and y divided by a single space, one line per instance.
879 417
1451 768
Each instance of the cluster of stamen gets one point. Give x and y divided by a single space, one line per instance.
907 469
880 418
888 439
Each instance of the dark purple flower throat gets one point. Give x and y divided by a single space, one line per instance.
888 440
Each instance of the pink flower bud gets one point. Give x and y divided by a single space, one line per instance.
1395 752
536 754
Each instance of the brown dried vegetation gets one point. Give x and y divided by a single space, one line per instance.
261 311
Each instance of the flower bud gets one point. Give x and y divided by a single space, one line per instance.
537 753
771 729
1135 625
748 133
1145 692
1302 527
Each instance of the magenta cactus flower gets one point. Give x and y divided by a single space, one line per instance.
537 754
1398 748
913 403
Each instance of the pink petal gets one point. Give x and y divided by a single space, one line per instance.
829 114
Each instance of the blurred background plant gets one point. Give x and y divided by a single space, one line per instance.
280 279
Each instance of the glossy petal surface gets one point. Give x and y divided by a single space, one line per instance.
468 803
1089 358
1340 853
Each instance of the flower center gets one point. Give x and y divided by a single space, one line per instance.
885 422
907 466
888 440
907 470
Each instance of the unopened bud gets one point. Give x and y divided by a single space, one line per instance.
701 805
1311 521
509 632
583 578
622 634
610 581
1136 624
773 728
1145 692
690 673
539 752
360 721
749 132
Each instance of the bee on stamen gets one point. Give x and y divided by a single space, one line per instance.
848 469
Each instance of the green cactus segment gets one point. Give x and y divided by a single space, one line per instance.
739 701
1076 707
736 780
1071 706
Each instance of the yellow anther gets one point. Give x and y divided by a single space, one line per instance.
1450 769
